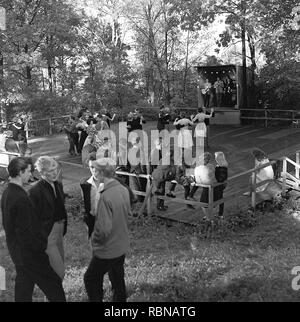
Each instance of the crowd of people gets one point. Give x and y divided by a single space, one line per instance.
35 220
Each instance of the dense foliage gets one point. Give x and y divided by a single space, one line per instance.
56 56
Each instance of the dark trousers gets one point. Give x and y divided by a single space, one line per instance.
44 277
218 194
138 184
219 99
83 136
206 100
93 278
74 142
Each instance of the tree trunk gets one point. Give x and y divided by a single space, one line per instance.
253 61
244 57
186 66
1 87
28 68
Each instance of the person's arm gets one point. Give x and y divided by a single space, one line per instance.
176 122
212 114
195 118
142 120
190 123
17 127
103 223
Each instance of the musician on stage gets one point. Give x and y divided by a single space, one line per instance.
219 87
206 92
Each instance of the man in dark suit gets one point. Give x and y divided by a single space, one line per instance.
25 241
90 188
47 197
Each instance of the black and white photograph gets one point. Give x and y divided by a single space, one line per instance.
150 153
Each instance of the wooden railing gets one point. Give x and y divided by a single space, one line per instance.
5 158
208 208
268 115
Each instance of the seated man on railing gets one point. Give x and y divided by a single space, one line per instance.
161 174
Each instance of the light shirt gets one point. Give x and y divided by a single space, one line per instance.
219 85
263 174
95 194
205 174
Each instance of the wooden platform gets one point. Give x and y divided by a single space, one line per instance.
181 213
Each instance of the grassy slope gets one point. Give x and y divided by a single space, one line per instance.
174 262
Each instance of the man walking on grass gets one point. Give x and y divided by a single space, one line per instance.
25 243
110 238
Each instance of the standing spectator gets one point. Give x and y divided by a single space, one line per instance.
137 164
25 240
73 136
82 127
163 118
137 120
47 196
221 174
107 117
110 239
219 87
16 129
91 189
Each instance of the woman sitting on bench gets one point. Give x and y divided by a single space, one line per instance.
204 174
267 190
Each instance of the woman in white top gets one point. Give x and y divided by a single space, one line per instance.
266 173
185 138
200 130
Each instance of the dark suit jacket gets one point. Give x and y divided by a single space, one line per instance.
22 226
43 199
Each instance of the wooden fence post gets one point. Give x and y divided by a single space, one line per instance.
266 118
298 162
149 201
210 202
50 126
253 190
284 171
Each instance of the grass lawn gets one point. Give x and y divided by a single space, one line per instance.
245 258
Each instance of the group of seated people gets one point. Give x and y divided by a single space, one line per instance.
205 172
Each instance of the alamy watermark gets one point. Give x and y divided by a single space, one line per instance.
2 279
177 147
296 279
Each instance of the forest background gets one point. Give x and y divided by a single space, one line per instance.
56 56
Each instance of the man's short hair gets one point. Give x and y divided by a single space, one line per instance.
106 165
18 165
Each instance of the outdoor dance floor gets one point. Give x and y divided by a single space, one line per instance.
235 142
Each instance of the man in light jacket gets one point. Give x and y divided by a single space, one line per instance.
110 238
